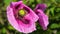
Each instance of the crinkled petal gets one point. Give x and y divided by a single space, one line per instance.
11 18
27 28
43 19
41 7
32 14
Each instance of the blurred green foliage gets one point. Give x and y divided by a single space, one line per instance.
52 10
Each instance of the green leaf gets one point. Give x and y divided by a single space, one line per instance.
10 27
58 1
7 2
58 10
47 12
31 2
52 10
58 32
48 4
53 1
54 25
38 1
28 2
33 5
3 30
14 0
24 1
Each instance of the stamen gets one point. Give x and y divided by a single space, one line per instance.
22 12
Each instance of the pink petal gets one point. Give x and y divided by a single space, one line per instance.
43 19
41 7
11 18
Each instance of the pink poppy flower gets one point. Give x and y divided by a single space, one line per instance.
43 18
21 17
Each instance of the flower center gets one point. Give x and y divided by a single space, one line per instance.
22 12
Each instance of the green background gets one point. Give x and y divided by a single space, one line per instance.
52 10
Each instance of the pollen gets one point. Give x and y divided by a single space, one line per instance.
22 12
